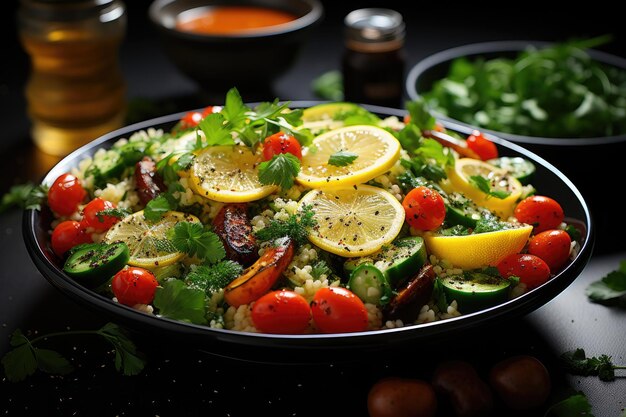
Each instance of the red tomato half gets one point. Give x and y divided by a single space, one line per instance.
482 146
133 285
553 246
282 311
530 269
424 208
281 143
66 235
542 212
192 118
90 215
338 310
65 194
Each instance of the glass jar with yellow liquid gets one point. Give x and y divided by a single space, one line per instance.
76 91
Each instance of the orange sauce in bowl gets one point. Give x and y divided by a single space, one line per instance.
225 20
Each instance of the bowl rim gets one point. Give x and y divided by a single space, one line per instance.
313 16
259 345
509 46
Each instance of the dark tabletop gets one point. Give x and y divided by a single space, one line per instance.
181 380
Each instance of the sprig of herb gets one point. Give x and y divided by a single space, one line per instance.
574 405
321 268
213 278
157 207
25 196
484 185
194 240
611 289
280 170
117 212
577 363
177 301
295 227
25 358
216 132
342 158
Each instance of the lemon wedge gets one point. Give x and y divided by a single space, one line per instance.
500 180
148 243
478 250
377 151
228 174
353 221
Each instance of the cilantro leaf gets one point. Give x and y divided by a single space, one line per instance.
127 359
342 158
25 196
234 109
280 170
117 212
177 301
157 207
575 405
296 227
195 240
611 289
215 277
19 363
484 185
420 115
216 131
577 363
431 149
52 362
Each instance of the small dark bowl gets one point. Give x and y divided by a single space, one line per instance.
315 347
593 164
247 60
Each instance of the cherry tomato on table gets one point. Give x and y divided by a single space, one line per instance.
65 194
281 143
530 269
399 397
68 234
281 311
134 285
482 146
192 118
338 310
424 208
553 246
90 215
542 212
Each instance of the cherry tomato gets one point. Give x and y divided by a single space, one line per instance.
90 215
400 397
66 235
553 246
338 310
192 118
530 269
281 143
281 311
425 209
65 194
542 212
482 146
522 382
133 285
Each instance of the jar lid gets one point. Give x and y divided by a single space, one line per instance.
374 25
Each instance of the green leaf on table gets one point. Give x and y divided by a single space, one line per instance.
342 158
577 363
25 196
280 170
127 359
52 362
177 301
21 361
611 289
575 405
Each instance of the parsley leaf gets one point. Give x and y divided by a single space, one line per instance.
420 115
117 212
177 301
296 227
235 111
25 358
484 185
575 405
611 289
25 196
342 158
157 207
195 240
213 278
577 363
280 170
216 131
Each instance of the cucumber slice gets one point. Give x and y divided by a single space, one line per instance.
370 285
520 168
94 264
475 291
462 211
351 264
402 259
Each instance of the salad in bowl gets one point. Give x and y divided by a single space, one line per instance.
328 219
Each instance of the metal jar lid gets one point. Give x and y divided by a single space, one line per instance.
374 25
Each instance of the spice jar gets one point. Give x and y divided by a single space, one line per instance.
75 91
373 61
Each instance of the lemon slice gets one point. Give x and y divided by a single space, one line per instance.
327 116
147 241
478 250
377 151
228 174
499 180
354 221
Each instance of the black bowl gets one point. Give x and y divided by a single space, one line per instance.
250 60
593 164
290 348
